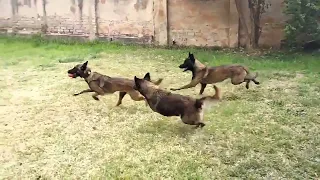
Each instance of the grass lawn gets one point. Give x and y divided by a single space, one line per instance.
269 131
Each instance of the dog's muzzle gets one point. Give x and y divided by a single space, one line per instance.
183 67
72 75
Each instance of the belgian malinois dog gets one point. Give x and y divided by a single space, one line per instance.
101 84
168 104
210 75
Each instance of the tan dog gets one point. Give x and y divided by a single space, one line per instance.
210 75
168 104
102 84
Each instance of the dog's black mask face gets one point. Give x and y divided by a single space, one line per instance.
79 70
188 64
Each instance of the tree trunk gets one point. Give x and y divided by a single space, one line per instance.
252 23
243 23
255 15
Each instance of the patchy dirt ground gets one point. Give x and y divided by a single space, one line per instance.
268 131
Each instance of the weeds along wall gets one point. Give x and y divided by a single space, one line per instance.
160 22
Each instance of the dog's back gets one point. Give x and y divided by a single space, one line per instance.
223 72
169 104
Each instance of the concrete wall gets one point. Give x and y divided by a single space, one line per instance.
203 23
187 22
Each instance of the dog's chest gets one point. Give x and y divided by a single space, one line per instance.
153 102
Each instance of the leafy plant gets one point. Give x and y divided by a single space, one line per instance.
303 24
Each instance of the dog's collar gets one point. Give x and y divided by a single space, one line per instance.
207 72
89 78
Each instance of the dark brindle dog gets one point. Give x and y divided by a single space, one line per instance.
101 84
210 75
168 104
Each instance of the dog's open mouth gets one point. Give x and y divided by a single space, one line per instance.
185 69
72 75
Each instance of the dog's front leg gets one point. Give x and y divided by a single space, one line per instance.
95 96
84 91
192 84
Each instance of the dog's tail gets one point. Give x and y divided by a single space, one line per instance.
158 81
203 102
250 76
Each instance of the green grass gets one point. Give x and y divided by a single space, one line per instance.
269 131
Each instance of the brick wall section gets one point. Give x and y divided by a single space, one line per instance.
188 22
128 19
66 18
68 26
24 18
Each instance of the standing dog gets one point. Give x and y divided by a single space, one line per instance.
102 84
168 104
210 75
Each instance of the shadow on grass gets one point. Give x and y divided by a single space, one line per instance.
167 127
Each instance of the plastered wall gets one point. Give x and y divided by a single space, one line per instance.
183 22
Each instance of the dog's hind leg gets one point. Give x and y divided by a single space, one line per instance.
255 81
247 83
200 124
84 91
136 96
121 96
238 78
203 86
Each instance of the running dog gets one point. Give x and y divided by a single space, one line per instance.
210 75
101 84
168 104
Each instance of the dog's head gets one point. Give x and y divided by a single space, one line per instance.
142 85
81 70
188 64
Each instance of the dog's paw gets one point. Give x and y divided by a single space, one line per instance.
95 98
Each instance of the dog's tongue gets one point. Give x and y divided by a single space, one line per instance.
70 75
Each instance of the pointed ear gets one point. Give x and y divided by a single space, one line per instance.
189 53
147 77
136 81
192 58
84 65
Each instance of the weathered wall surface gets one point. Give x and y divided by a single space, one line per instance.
203 23
272 23
20 15
5 15
187 22
68 17
126 18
